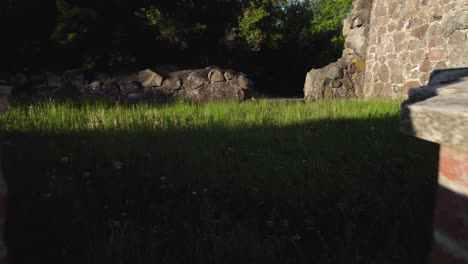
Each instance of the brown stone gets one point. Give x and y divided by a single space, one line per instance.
381 30
426 66
410 85
387 91
420 32
436 42
394 65
436 55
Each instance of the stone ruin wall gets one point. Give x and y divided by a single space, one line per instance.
408 39
392 46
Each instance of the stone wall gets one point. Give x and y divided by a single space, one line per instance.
411 38
393 46
160 84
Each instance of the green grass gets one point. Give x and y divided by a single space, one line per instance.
323 182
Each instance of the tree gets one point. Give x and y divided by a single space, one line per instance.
328 19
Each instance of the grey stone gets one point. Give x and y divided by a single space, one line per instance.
449 25
95 86
20 80
383 73
196 79
127 87
229 75
457 38
134 96
216 75
240 81
149 78
54 80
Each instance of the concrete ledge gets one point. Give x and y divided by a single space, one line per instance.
438 113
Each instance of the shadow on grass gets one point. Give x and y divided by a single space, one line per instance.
341 191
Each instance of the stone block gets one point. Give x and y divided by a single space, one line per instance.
457 38
436 55
410 85
383 73
426 66
417 56
420 32
435 42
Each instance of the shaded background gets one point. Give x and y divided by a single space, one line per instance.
274 42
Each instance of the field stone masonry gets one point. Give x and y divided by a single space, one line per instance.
393 46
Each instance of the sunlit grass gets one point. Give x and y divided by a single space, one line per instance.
72 117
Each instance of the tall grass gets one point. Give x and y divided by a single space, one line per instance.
72 117
257 182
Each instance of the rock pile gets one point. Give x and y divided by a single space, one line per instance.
162 84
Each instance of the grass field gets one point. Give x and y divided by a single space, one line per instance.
257 182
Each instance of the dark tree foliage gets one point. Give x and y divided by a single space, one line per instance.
274 41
